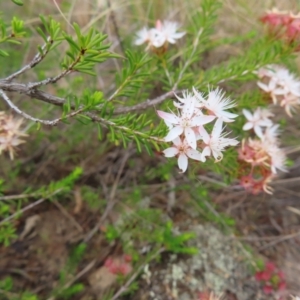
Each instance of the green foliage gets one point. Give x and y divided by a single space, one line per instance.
207 209
7 229
202 26
147 225
138 128
260 264
85 52
7 233
6 287
133 75
18 2
16 32
91 197
76 256
176 243
64 184
260 53
52 36
71 291
63 290
6 284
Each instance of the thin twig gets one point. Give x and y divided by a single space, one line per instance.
34 85
114 22
94 118
123 128
67 215
30 206
171 193
61 13
78 276
146 104
20 112
45 122
17 197
280 240
33 93
9 295
187 63
36 60
58 101
124 288
111 201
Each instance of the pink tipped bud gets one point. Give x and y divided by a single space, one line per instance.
158 25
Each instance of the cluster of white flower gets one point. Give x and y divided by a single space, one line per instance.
186 129
263 155
281 85
159 37
10 133
268 145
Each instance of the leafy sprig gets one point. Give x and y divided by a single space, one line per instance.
132 76
17 32
85 52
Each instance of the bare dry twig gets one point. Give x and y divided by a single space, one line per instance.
30 206
58 101
26 116
78 276
111 201
124 288
36 60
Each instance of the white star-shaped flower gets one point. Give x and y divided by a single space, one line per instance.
271 134
257 120
216 104
184 151
277 157
290 102
271 89
215 142
185 122
287 83
142 36
163 33
169 30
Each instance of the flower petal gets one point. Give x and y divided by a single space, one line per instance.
205 136
182 162
263 86
194 154
201 120
177 142
248 126
258 131
247 114
168 124
206 152
226 116
190 137
217 155
178 105
174 133
217 129
170 152
171 118
188 108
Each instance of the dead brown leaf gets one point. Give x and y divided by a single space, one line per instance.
101 280
78 201
30 224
